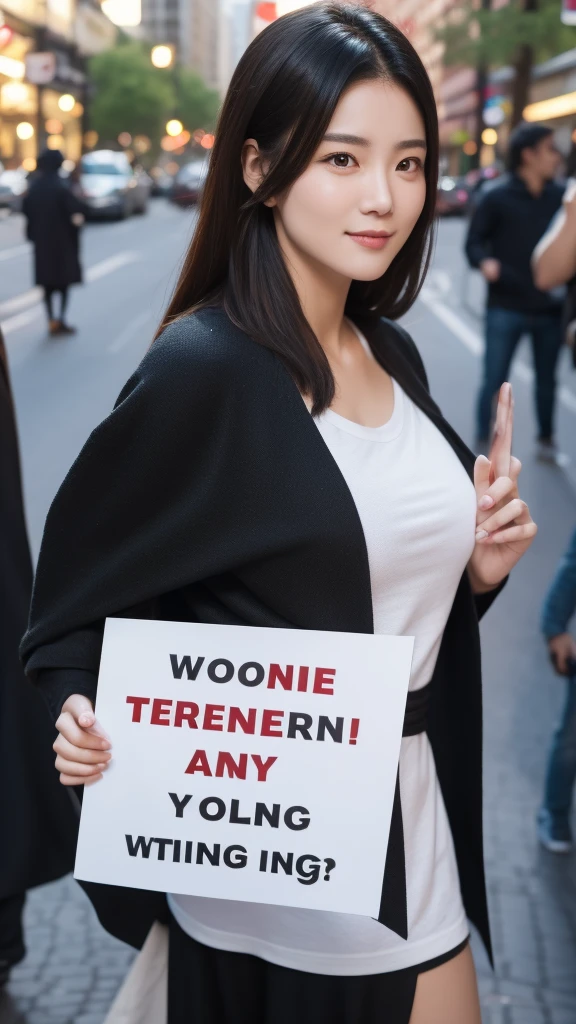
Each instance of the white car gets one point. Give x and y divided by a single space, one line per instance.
110 187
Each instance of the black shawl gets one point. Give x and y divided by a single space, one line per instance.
209 495
37 822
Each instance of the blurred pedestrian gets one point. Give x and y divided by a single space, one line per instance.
554 259
277 460
507 224
554 827
54 215
37 821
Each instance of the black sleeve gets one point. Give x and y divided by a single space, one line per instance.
57 684
484 601
481 228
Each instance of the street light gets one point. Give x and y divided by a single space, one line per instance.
174 128
161 56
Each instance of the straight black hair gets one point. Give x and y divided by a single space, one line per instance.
525 136
283 94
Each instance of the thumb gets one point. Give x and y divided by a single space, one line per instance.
482 468
81 710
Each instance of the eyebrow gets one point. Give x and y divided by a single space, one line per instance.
357 140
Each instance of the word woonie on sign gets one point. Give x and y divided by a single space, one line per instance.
248 763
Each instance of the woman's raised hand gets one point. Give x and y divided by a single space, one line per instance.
82 747
504 526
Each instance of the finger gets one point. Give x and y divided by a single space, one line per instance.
76 769
524 532
501 451
80 737
515 468
500 489
71 780
71 752
515 511
481 475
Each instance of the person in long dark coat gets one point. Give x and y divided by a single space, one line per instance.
54 215
38 824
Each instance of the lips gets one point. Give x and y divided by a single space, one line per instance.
370 239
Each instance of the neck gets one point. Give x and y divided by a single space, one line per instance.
322 294
534 182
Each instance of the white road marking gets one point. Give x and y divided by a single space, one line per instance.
475 343
34 295
19 302
15 251
109 265
14 323
454 323
129 332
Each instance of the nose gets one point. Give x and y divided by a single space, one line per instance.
377 194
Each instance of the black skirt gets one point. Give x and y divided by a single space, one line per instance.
212 986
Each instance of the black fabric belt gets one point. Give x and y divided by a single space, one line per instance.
393 905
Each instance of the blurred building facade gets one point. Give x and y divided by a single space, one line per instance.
191 28
44 91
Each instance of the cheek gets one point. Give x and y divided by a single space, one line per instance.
408 204
314 201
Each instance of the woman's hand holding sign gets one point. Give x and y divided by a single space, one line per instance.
82 748
504 526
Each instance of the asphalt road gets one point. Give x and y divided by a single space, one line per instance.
64 387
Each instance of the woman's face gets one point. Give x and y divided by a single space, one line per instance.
356 203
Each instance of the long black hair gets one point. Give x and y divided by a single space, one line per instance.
283 94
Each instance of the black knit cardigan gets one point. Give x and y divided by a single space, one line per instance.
209 495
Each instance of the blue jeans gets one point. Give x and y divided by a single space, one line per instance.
561 770
504 328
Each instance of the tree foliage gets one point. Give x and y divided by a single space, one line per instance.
473 36
130 94
196 105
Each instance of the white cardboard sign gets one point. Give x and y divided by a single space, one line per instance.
248 763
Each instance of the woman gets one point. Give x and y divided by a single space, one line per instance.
37 821
277 461
54 216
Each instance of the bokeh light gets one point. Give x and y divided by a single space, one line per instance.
489 137
67 103
24 130
161 56
174 127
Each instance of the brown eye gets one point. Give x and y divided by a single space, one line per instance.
343 160
411 163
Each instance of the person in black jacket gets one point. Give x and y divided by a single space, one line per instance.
37 822
277 460
507 224
54 216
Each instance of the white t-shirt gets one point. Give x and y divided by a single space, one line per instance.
417 507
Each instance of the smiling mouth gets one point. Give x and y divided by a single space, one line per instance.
371 239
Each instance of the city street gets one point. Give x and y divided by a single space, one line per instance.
63 387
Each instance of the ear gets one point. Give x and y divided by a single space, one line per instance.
253 168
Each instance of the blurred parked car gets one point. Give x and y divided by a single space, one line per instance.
110 187
13 185
453 196
188 184
161 182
